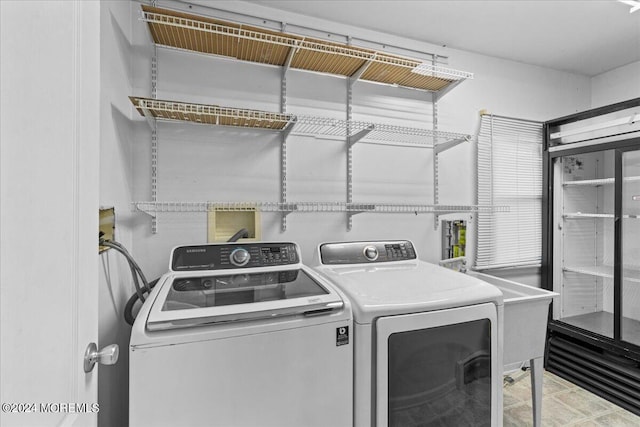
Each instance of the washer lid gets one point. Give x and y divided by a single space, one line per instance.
385 289
188 299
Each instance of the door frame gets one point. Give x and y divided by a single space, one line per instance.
618 237
50 139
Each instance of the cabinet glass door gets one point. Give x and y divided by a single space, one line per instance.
630 278
584 240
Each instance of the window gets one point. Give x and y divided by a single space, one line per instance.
509 174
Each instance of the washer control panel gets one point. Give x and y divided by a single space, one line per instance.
233 255
366 252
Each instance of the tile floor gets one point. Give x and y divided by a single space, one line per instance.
563 404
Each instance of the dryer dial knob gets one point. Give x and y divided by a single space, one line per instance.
371 253
239 257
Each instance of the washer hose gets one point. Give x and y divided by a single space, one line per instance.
136 272
240 234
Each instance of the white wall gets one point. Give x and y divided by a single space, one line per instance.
200 163
617 85
116 187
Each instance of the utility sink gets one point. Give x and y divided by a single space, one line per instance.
526 311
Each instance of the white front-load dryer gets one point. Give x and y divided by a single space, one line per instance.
241 335
428 346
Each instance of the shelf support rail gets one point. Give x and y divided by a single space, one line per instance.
285 133
350 82
436 198
154 135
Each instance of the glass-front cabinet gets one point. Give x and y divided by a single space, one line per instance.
591 249
583 241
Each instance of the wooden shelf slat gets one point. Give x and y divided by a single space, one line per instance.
211 114
254 44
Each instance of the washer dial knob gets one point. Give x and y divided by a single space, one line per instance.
371 253
239 257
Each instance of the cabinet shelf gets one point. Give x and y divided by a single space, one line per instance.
605 271
597 182
175 111
254 44
580 215
152 208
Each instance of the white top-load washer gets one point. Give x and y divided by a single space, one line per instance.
241 334
428 346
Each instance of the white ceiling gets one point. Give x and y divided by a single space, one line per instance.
586 37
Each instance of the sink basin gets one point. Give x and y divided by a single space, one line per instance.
526 312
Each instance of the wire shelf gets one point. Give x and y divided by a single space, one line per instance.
300 125
153 208
375 132
601 181
580 215
217 37
210 114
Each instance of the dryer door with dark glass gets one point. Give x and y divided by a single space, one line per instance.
438 368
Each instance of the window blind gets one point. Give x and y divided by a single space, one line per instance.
509 174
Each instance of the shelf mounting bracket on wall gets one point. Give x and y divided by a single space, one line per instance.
353 139
151 121
151 212
439 148
287 63
442 92
355 209
360 71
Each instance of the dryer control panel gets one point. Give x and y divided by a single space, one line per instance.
366 252
233 255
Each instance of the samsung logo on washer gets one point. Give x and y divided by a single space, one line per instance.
196 250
